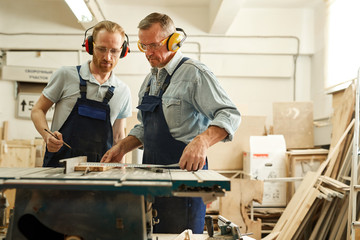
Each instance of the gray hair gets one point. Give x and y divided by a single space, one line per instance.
164 20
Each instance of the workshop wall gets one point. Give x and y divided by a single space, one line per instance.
267 55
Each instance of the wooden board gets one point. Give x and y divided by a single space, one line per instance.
228 155
5 130
297 216
18 153
299 197
233 205
343 106
92 168
294 120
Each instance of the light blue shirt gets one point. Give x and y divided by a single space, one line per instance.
193 101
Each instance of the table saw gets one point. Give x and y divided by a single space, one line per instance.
97 205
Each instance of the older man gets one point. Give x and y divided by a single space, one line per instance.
183 111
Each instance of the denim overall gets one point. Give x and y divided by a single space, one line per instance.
175 213
87 129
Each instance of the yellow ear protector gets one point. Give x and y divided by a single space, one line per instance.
89 46
173 42
176 40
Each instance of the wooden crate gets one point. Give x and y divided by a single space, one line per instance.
20 153
305 160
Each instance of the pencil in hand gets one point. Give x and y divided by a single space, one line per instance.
56 137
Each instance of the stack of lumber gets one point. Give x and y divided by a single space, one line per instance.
319 208
269 217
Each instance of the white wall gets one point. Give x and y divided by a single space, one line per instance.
322 101
255 71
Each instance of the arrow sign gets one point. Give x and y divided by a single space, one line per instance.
23 103
26 102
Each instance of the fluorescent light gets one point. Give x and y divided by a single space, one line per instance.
81 11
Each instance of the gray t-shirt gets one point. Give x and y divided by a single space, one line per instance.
64 89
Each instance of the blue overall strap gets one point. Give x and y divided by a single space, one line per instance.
168 77
167 80
109 94
82 84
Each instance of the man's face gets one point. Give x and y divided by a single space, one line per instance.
107 49
156 52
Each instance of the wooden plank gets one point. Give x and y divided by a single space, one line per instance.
298 198
341 156
344 171
334 183
339 120
298 215
92 168
5 130
229 155
233 205
326 224
334 151
343 113
338 229
304 230
294 120
324 210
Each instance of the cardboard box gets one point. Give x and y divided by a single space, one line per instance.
228 155
266 159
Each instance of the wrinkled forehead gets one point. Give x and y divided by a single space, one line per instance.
153 34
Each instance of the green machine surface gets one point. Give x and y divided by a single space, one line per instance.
98 205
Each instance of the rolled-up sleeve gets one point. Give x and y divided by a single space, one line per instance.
212 101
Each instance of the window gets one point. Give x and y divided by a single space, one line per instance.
343 46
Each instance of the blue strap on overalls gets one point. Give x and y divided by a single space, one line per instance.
147 103
109 94
167 79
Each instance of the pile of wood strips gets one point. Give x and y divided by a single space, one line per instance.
320 206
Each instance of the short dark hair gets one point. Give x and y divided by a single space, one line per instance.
164 20
109 26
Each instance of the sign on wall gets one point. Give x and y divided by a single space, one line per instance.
26 102
27 74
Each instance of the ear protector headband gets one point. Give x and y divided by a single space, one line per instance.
176 40
89 44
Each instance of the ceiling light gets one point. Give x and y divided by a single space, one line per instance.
81 11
